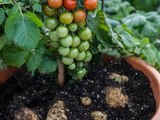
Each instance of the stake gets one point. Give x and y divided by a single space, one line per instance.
61 78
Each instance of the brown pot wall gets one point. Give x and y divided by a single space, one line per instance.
7 73
154 77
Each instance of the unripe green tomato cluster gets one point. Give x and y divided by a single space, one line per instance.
70 40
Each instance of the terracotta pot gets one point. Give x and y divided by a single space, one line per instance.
6 74
154 78
152 74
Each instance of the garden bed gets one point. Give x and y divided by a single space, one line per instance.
39 93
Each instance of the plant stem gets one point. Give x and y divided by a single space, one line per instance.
7 3
19 7
102 8
61 78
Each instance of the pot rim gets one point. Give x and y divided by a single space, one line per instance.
153 75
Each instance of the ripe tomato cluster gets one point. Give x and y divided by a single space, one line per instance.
72 4
69 35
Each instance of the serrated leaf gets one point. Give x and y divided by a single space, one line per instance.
150 29
10 25
2 15
14 56
34 19
35 59
26 34
134 20
48 65
150 55
127 39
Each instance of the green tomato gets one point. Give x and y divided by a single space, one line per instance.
73 53
67 61
73 27
62 31
82 24
67 41
76 41
63 51
88 56
51 23
49 11
53 36
80 64
72 66
54 44
81 73
84 46
66 18
85 34
81 56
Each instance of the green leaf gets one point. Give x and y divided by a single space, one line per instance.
127 39
2 16
35 59
10 25
34 19
24 33
14 56
134 20
37 7
2 41
144 42
150 29
48 64
149 55
13 10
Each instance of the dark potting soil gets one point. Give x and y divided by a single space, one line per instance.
40 92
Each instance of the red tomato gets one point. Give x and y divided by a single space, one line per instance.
70 4
90 4
55 3
79 16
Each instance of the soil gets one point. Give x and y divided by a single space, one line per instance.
39 93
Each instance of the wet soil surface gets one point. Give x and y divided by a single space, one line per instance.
39 93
